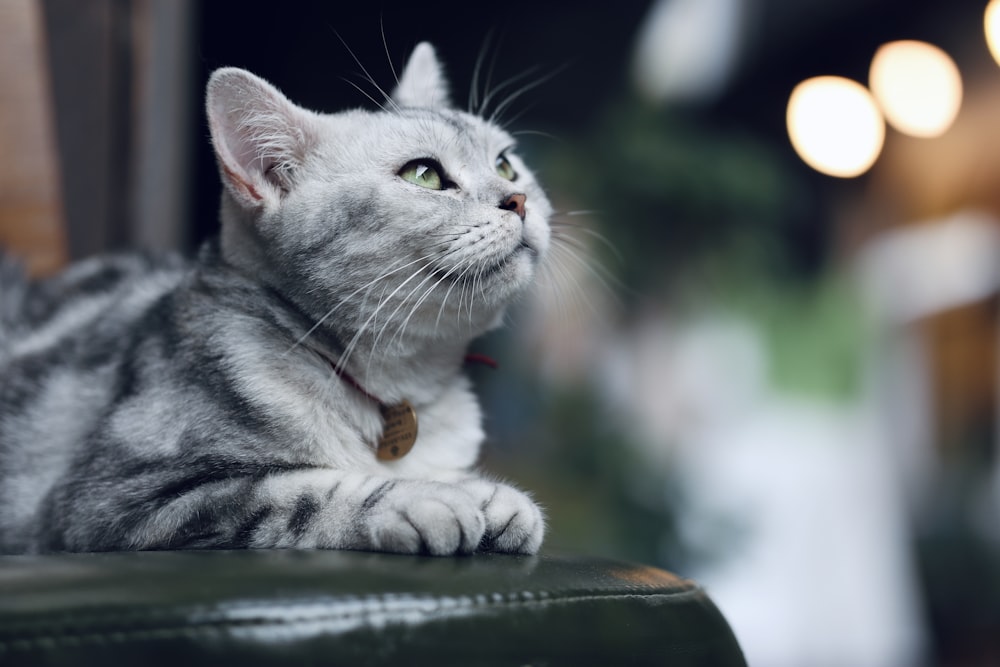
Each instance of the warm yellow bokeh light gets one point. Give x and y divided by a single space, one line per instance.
991 22
918 87
835 126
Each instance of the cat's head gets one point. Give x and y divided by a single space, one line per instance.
419 211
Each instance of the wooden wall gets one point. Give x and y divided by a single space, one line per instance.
31 210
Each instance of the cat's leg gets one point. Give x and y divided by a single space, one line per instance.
514 522
324 509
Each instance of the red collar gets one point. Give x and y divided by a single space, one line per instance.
471 358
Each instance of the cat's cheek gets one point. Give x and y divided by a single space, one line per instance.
536 235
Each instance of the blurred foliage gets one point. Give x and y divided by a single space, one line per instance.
669 187
816 338
816 331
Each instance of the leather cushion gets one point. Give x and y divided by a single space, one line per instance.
351 608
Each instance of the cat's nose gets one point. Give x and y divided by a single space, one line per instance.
515 203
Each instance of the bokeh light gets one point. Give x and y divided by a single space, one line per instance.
991 22
918 87
835 126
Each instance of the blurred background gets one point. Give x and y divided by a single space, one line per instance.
765 354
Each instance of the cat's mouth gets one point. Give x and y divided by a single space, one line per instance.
478 275
522 248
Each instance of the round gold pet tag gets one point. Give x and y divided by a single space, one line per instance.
400 431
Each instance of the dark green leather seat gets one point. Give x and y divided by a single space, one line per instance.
351 608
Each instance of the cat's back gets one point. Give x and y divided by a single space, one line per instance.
64 336
70 330
95 294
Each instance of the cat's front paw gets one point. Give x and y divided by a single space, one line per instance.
514 522
425 517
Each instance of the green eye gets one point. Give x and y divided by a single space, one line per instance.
424 173
505 169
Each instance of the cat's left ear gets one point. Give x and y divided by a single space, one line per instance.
423 83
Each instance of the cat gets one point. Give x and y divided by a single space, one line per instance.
236 400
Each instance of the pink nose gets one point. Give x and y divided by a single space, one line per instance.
515 203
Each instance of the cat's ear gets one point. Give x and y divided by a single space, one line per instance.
260 137
423 83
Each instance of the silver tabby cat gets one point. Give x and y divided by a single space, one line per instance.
233 401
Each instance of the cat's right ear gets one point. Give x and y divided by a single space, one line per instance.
260 137
422 83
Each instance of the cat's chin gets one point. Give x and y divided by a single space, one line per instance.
506 281
515 269
520 262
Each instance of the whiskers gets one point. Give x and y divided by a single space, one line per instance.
573 269
487 100
375 316
386 104
483 94
506 93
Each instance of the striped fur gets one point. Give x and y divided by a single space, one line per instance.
162 403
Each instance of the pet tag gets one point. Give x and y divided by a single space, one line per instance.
400 431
